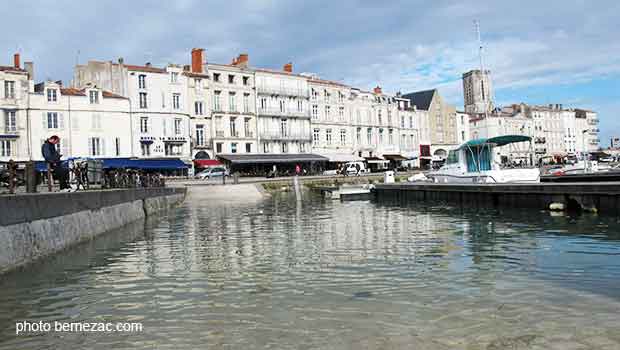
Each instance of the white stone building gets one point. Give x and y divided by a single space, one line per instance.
283 111
14 133
160 116
463 133
233 107
90 122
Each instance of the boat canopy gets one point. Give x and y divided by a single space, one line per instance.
496 141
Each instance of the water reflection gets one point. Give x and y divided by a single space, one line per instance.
322 274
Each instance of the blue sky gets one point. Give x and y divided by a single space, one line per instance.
540 52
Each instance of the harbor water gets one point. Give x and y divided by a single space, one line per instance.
314 274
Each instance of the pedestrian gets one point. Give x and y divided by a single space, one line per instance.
297 170
52 157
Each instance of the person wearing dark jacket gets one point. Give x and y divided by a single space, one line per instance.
52 157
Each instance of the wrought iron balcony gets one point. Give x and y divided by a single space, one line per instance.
279 113
285 136
276 90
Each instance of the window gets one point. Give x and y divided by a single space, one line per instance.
316 136
232 104
246 81
263 103
284 127
341 113
10 121
315 112
389 117
231 79
266 147
142 81
246 103
343 137
402 121
369 136
200 135
144 125
9 89
302 148
52 120
380 136
233 147
391 136
5 148
248 148
171 149
300 106
143 103
315 94
233 127
95 146
358 116
95 121
340 97
358 135
410 122
216 101
174 77
327 112
246 127
284 147
94 96
117 146
52 95
463 136
219 132
218 147
176 101
379 118
282 106
216 77
326 96
328 136
146 149
198 108
178 126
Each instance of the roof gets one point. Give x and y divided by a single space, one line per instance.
271 158
421 99
12 69
108 94
327 82
496 141
196 75
82 92
147 69
281 72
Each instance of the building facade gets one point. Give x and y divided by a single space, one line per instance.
15 84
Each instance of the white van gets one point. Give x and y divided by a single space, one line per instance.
353 168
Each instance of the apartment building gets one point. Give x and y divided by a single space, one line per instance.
283 110
233 107
463 133
331 105
198 100
15 84
160 118
91 122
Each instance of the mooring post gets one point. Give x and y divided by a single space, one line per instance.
31 177
12 175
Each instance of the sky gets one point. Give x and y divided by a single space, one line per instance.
539 52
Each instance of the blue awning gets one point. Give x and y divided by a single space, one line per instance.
128 163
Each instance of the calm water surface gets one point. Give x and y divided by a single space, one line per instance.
330 275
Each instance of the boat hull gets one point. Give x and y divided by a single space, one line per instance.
492 176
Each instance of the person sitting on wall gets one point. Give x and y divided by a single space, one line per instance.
52 157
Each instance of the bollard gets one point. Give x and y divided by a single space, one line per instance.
297 188
236 178
31 177
224 179
12 175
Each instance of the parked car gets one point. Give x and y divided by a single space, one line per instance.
353 168
216 171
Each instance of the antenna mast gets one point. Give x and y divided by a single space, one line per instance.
485 96
480 47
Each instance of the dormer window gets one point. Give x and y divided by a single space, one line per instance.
231 79
52 95
216 77
174 77
94 96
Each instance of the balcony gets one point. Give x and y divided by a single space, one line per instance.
278 113
540 150
273 90
206 144
540 140
11 132
593 121
219 133
290 136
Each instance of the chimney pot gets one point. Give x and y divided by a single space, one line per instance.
148 64
121 60
242 60
377 90
288 67
16 62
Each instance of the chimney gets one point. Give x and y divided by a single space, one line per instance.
121 60
197 60
148 64
29 67
16 62
288 67
377 90
242 60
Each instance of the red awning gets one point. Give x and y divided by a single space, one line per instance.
203 163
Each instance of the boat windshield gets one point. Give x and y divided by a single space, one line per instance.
478 159
453 157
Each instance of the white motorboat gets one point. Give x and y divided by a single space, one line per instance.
475 162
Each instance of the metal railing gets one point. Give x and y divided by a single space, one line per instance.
276 90
286 136
279 113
